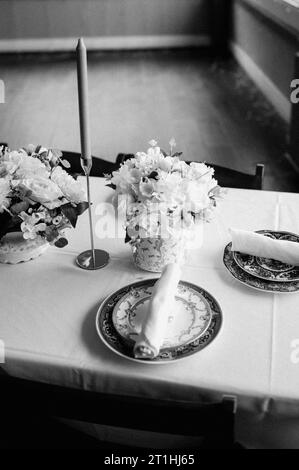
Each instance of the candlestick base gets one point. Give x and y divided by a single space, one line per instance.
85 260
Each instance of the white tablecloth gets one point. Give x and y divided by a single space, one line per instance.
48 308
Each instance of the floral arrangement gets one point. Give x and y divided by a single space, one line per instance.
37 196
164 195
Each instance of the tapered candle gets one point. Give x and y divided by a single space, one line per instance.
94 258
83 101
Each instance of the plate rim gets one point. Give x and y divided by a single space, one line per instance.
157 362
264 278
256 278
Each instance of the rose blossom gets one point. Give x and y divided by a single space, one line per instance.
41 190
71 189
31 167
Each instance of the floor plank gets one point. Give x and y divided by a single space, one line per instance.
213 110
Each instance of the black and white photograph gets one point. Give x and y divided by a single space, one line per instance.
149 228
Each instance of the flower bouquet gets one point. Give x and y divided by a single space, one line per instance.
165 199
38 201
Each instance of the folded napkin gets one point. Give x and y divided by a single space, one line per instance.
258 245
152 335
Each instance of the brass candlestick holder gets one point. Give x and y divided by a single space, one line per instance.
91 259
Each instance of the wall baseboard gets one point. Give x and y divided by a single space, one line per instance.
103 43
263 82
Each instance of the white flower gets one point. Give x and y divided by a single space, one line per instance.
200 171
184 192
4 193
168 189
30 149
31 167
30 232
153 143
37 216
143 163
10 162
41 190
146 188
72 190
146 223
197 198
165 163
124 178
31 226
181 166
154 154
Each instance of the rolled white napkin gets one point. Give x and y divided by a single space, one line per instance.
257 244
152 335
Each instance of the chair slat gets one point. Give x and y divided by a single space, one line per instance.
212 421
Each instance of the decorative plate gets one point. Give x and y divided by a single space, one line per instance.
253 281
269 269
189 319
193 324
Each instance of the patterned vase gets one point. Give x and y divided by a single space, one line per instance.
15 249
152 254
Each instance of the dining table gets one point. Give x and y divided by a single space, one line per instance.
48 310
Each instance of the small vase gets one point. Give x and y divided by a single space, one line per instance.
152 254
15 249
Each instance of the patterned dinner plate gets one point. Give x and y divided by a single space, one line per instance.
269 269
192 324
253 281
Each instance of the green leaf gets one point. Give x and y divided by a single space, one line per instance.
82 207
154 175
111 185
177 154
163 152
19 207
70 213
216 191
128 238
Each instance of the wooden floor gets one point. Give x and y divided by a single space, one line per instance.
210 107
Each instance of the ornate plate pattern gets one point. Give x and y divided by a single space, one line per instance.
255 282
117 322
269 269
189 319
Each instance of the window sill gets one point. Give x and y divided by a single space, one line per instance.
283 12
